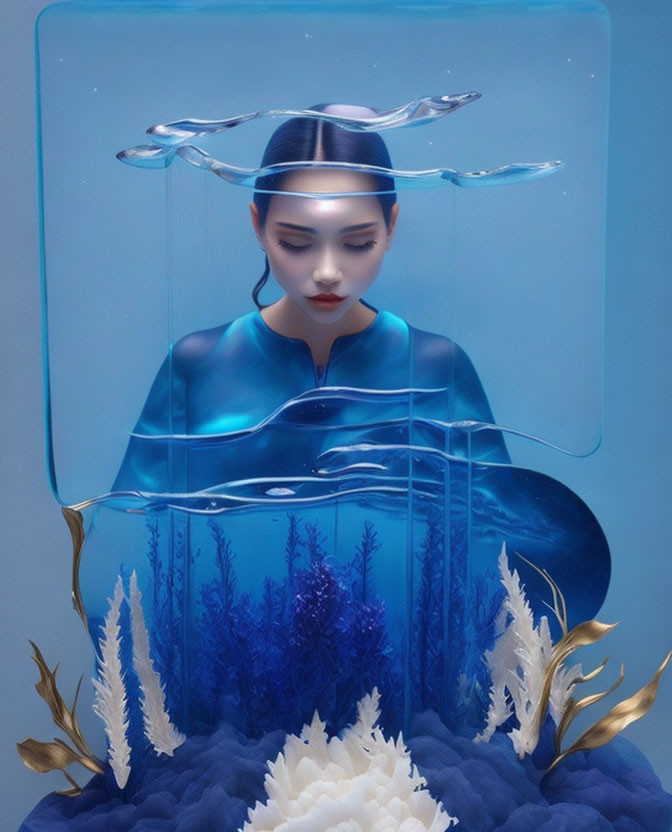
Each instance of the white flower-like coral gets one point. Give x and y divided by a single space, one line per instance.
358 783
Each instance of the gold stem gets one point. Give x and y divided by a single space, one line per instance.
75 522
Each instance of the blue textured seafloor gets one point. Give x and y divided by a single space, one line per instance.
210 782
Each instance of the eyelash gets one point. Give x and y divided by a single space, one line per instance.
293 248
352 247
362 247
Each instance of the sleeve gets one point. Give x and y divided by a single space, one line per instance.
471 404
155 459
441 363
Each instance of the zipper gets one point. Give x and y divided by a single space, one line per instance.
320 375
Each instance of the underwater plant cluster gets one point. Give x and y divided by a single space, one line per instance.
212 781
318 638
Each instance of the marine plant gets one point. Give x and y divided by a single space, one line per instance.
358 781
313 542
170 563
292 545
110 691
364 553
319 635
127 684
159 729
43 757
530 679
309 639
429 614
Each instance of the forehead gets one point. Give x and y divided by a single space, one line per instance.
311 211
326 181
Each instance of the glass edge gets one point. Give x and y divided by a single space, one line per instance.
388 7
605 222
46 377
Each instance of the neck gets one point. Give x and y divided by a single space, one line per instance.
288 319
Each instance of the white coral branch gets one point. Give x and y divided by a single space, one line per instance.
562 689
110 691
159 730
518 664
361 782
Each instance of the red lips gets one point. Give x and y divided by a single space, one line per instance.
326 301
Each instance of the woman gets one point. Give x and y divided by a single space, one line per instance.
325 252
320 395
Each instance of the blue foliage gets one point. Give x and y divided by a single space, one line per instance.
169 588
212 780
363 560
292 546
430 638
316 639
319 636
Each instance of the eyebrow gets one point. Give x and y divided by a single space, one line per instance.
363 226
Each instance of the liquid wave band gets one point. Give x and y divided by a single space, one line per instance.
175 139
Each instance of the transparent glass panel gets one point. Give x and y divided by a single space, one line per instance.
303 531
260 614
134 259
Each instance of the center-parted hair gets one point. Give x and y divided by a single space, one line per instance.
312 140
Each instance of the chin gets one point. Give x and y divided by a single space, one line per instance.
328 316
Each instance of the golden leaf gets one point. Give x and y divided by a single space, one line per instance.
45 756
559 607
63 717
88 762
588 632
75 791
573 708
47 687
593 673
618 718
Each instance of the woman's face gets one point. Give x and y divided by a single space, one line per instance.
325 253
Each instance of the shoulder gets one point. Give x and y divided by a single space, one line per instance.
442 358
197 347
431 346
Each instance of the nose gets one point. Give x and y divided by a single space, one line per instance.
327 270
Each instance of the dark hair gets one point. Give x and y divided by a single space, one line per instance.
311 139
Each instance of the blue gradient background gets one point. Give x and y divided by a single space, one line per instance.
626 482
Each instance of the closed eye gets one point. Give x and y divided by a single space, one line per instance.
293 247
360 247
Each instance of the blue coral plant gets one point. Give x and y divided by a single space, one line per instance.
315 639
318 636
170 561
